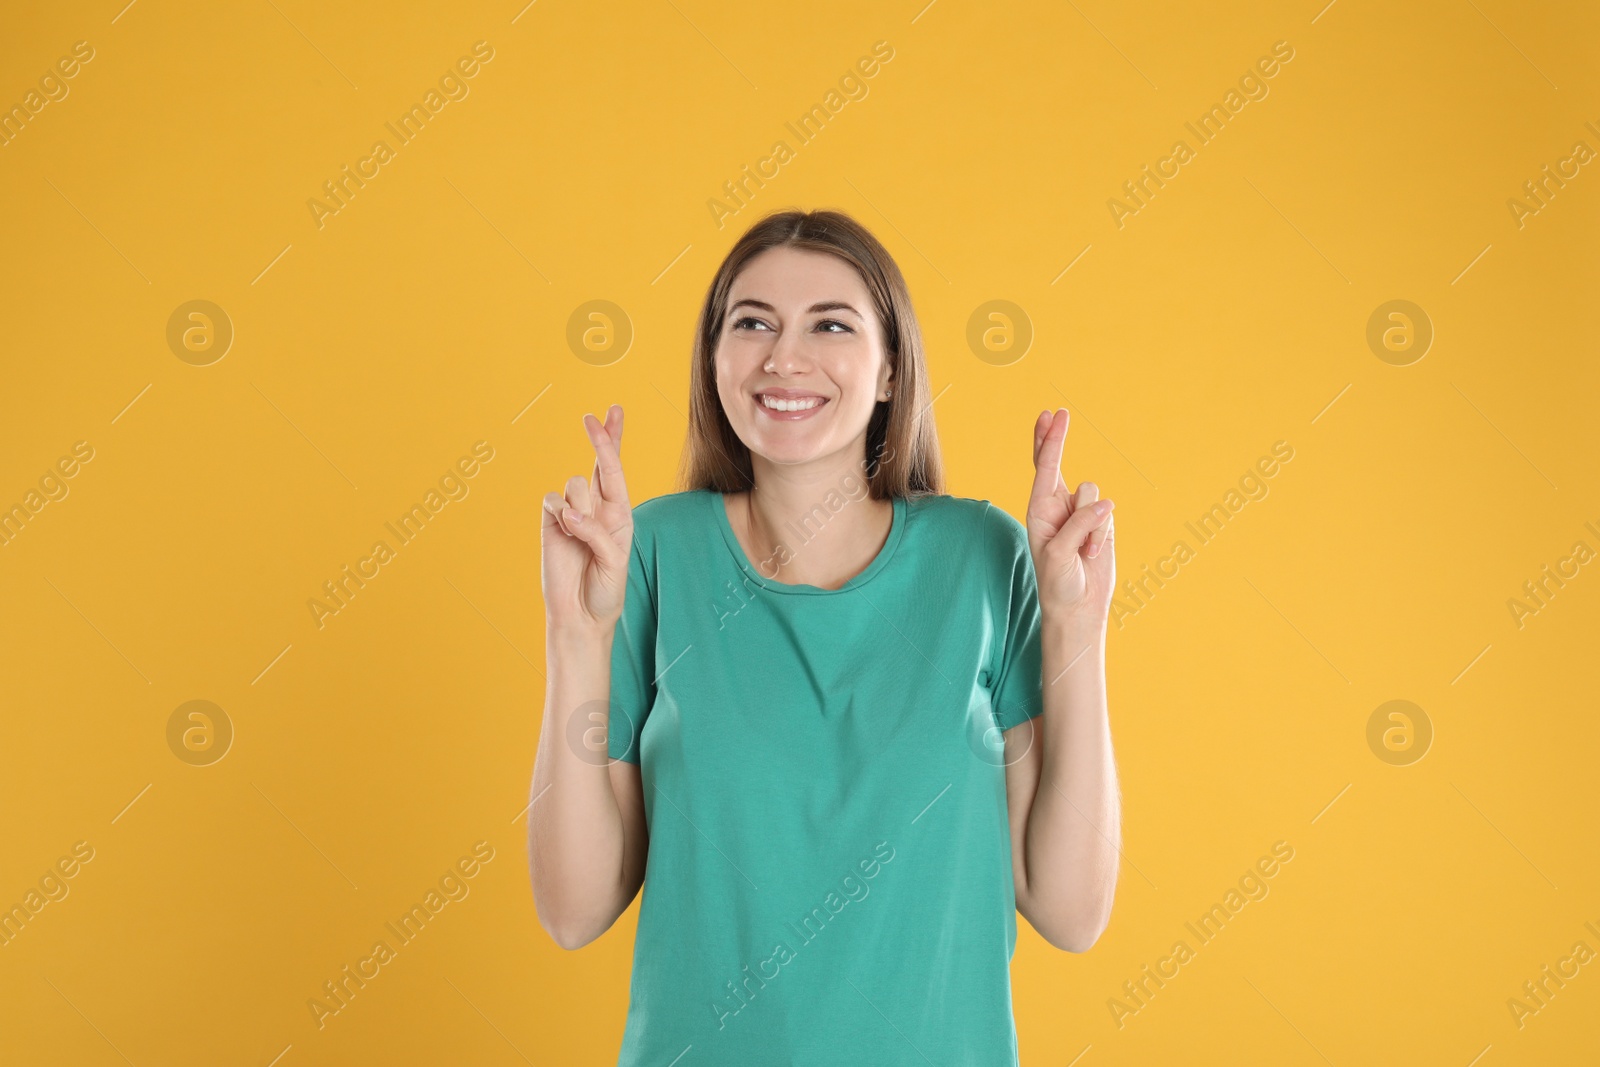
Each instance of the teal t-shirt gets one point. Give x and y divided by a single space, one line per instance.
829 874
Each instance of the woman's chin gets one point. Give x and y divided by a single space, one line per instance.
792 453
787 454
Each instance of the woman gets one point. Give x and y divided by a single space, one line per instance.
806 752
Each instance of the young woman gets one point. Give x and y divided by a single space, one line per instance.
848 724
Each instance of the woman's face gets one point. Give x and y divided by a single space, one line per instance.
801 329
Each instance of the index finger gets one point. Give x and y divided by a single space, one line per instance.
1047 454
607 441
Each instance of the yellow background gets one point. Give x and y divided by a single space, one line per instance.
369 354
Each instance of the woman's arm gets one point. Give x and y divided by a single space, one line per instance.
1062 794
586 828
586 825
1065 808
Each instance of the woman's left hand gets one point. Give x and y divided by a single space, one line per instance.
1071 535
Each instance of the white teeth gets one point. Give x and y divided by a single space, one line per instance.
790 405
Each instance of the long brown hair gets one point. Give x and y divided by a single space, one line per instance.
902 453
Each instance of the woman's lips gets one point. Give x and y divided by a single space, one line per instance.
790 416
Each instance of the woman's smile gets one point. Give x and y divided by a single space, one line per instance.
788 405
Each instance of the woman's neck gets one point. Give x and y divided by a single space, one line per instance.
810 533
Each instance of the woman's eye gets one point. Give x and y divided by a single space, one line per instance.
750 322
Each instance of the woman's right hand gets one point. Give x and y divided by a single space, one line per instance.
586 537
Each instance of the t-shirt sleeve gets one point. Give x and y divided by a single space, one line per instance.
633 660
1018 689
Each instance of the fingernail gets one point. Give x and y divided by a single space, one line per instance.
1094 550
572 516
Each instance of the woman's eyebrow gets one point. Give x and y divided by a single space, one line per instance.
826 305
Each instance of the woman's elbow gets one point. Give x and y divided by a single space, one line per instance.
1081 939
1071 930
569 934
1073 937
572 940
569 926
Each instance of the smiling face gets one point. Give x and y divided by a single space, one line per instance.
800 362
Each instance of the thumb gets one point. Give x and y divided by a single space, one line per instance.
1082 523
588 530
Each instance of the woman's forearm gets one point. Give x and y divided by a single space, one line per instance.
576 831
1073 835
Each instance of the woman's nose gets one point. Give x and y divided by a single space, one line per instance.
788 354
